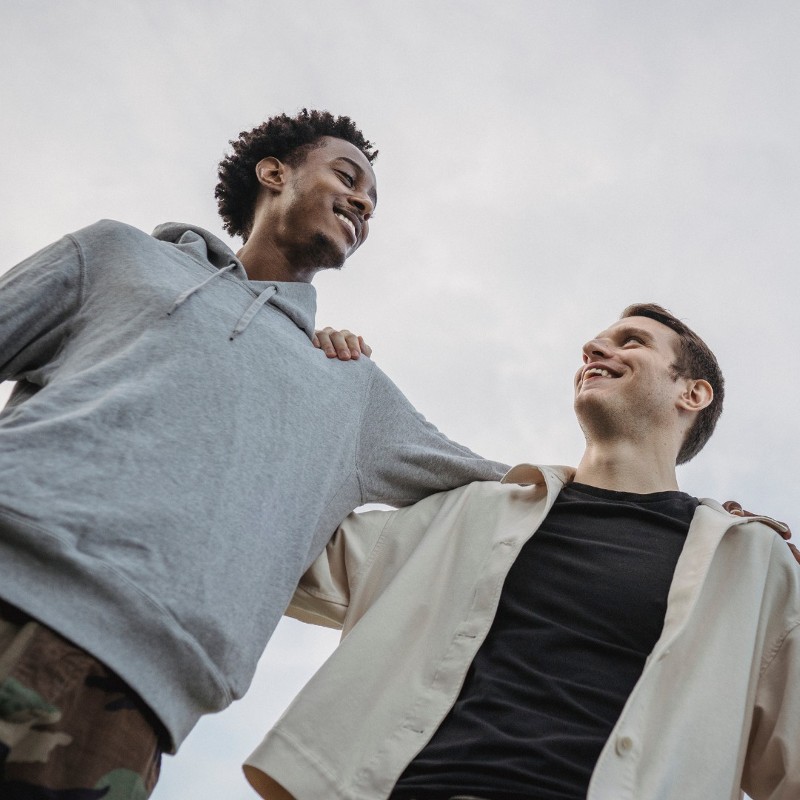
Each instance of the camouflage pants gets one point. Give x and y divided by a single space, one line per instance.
70 729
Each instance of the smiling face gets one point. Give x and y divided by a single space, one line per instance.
321 214
627 383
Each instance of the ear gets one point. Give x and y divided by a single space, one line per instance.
271 173
696 395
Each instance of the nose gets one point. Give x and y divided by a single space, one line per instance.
363 203
595 348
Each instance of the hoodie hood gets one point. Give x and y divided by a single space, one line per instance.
200 245
297 300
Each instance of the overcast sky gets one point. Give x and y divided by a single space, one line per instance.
542 165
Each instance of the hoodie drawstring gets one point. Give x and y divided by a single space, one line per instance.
184 296
252 310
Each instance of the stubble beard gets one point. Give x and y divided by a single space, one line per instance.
597 419
611 419
320 253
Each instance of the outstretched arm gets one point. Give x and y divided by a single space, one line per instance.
402 457
323 594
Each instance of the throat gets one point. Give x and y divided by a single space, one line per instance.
273 264
624 467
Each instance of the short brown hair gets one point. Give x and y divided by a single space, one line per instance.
695 360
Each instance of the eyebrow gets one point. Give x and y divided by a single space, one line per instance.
632 329
372 193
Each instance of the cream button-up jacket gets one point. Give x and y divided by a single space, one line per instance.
717 708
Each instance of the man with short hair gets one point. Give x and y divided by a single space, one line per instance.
569 634
169 464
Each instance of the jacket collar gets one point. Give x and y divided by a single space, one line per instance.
555 477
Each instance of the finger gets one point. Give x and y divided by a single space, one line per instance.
732 507
340 344
322 339
795 552
784 530
351 340
781 528
365 348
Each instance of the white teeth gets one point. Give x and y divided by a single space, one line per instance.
346 220
596 371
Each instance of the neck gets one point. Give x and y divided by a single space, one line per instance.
264 261
624 467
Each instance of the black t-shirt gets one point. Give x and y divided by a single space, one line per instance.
581 609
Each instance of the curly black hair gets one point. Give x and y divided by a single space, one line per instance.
286 138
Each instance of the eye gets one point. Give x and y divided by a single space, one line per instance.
632 337
346 178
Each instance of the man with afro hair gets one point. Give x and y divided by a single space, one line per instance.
285 138
168 469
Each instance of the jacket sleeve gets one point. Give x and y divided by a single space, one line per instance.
403 458
38 300
323 594
363 557
772 764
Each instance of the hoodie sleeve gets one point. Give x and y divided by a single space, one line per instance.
38 300
403 458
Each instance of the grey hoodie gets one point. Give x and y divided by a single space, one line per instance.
175 454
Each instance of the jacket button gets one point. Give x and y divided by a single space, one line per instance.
624 745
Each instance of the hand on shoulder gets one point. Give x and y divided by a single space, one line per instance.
344 345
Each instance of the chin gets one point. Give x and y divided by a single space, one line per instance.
324 253
590 408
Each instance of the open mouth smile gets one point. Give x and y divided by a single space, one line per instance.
597 372
349 223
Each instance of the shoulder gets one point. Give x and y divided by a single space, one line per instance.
110 228
108 235
423 512
479 498
756 542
